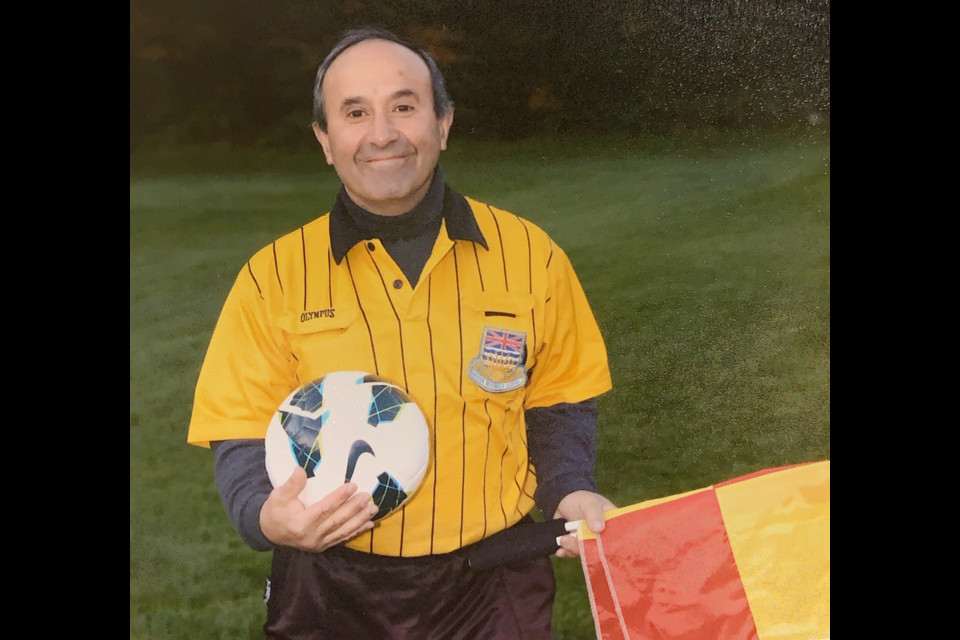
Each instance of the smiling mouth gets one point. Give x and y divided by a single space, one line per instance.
387 158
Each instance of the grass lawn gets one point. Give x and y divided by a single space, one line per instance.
707 264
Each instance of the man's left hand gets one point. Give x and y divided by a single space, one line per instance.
581 505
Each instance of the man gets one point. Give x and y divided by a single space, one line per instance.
407 279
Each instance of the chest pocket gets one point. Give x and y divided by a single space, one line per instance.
499 331
324 341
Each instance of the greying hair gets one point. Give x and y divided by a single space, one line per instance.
441 101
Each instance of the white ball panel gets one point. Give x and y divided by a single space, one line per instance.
400 447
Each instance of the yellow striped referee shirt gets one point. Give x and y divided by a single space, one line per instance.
308 305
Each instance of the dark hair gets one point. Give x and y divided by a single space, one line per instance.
441 101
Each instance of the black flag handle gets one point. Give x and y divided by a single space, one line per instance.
519 542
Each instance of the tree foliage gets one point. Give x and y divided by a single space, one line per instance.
241 71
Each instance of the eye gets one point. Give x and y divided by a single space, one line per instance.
356 113
403 108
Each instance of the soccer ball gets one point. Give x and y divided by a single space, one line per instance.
350 426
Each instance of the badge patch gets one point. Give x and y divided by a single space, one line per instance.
499 367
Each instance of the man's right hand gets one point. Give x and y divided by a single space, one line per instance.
338 517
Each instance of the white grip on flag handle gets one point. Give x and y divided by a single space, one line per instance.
572 527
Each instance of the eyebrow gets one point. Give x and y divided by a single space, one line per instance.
402 93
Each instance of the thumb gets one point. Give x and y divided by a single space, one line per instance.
294 484
593 513
595 519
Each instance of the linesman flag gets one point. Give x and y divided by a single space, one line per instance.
744 559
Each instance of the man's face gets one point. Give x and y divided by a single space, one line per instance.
383 136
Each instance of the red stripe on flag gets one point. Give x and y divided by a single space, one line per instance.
674 573
757 474
601 601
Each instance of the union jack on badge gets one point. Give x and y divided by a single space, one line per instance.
499 366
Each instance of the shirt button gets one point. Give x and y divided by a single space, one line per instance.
397 284
371 246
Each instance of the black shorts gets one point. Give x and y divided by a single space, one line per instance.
345 595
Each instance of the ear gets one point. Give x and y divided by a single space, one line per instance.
445 122
324 141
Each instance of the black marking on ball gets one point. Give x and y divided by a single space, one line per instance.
388 495
357 449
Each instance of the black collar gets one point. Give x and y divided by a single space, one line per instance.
461 223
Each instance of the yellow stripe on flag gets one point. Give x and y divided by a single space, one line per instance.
778 525
584 533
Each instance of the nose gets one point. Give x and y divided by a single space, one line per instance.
382 131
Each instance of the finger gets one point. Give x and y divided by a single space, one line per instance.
358 505
323 508
570 545
566 553
359 523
